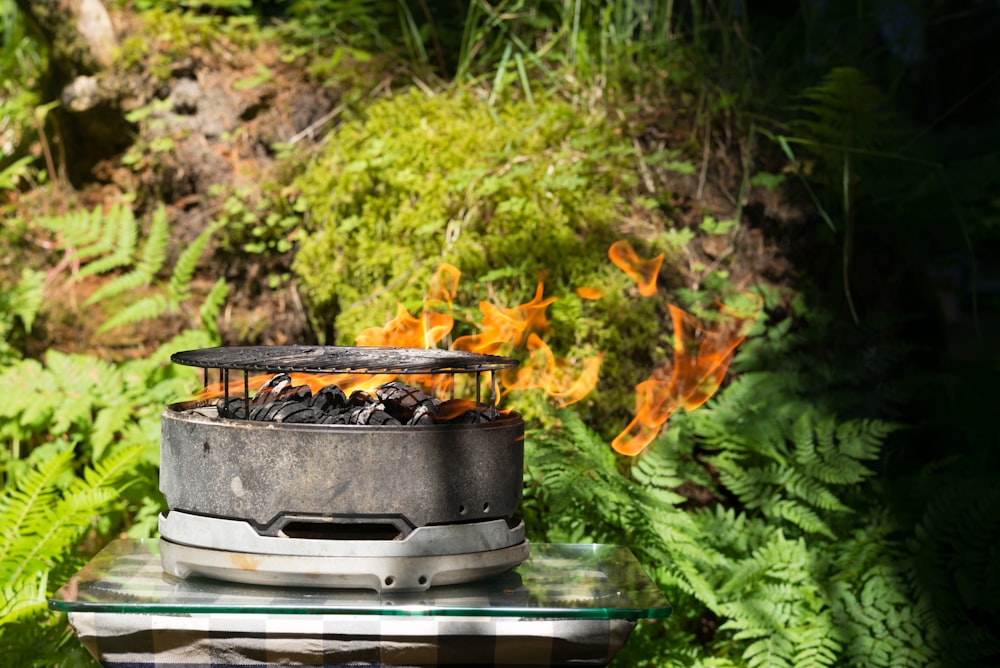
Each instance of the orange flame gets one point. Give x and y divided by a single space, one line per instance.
407 331
701 358
501 331
444 284
315 381
519 327
593 294
643 272
555 377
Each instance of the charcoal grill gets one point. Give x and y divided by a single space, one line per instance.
376 506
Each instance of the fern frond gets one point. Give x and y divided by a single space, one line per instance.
23 600
846 109
800 515
59 528
818 644
24 300
147 308
179 287
150 261
22 504
108 471
774 651
110 421
118 234
208 312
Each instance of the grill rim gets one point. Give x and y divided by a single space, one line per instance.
369 360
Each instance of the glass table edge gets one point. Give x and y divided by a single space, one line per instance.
660 610
514 613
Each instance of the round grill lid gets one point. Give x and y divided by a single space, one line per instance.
341 359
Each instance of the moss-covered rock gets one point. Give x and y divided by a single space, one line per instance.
509 194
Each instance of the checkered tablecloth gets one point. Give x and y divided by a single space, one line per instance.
130 640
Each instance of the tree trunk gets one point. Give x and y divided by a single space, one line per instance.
89 124
79 32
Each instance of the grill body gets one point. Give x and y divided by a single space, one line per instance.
407 477
374 506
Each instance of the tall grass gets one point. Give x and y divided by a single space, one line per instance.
619 47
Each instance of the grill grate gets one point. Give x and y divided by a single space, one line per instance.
341 359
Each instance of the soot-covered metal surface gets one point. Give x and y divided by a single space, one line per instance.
341 359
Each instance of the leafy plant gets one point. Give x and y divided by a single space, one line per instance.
258 222
781 552
80 434
19 304
618 47
509 195
108 242
846 124
45 510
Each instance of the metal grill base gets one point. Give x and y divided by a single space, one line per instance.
429 556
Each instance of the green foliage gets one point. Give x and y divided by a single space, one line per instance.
105 242
259 221
19 304
788 555
46 509
510 195
954 548
23 61
619 47
80 435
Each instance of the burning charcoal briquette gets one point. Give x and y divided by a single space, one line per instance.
371 414
401 400
422 415
293 411
329 399
236 408
361 398
303 414
337 416
273 388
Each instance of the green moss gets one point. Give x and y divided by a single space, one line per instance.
510 195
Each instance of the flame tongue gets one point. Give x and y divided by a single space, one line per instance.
521 326
701 358
643 272
702 353
501 331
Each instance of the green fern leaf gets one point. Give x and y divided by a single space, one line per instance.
63 525
24 600
847 110
208 313
108 471
116 245
150 261
179 287
148 308
800 515
110 421
21 505
24 300
76 229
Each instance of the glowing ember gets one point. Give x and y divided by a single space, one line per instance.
643 272
702 355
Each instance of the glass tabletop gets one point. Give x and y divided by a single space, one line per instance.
563 581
